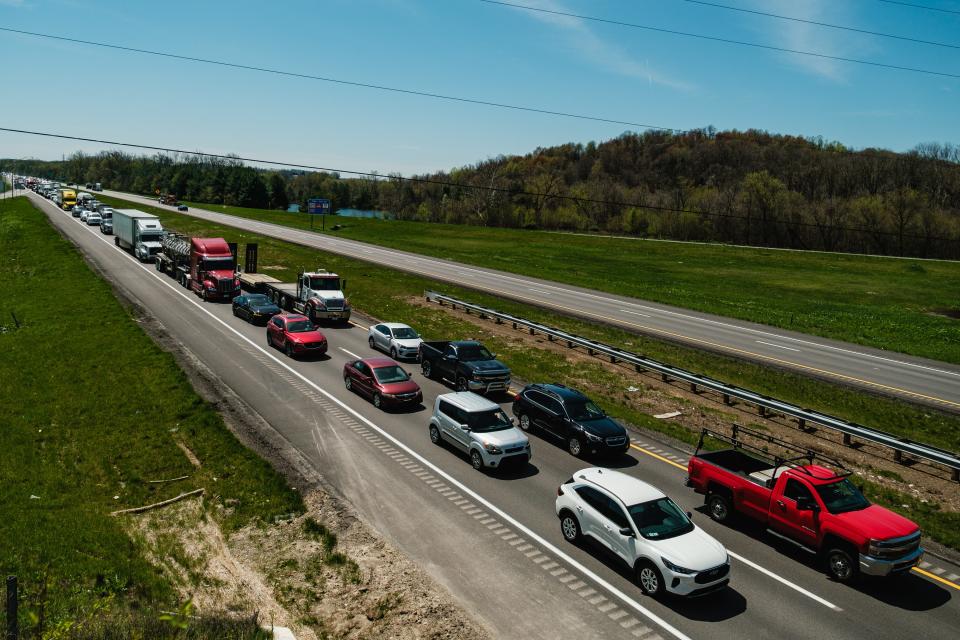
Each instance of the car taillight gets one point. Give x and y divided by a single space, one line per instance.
516 396
560 490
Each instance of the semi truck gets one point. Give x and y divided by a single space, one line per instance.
137 232
319 294
803 502
206 266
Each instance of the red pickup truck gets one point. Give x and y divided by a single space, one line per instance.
805 503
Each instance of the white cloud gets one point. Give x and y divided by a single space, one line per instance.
598 50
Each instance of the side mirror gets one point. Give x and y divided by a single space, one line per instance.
627 531
690 515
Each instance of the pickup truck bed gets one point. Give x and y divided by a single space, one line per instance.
753 469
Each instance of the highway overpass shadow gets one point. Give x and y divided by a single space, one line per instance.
714 607
908 591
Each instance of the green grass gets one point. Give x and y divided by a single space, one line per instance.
384 293
92 410
880 302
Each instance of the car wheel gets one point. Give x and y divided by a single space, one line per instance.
718 507
525 422
434 434
649 579
426 369
462 384
570 528
372 342
377 401
288 349
476 460
269 340
841 565
575 446
348 383
235 313
393 352
116 241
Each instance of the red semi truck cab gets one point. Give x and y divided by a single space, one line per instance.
213 269
808 504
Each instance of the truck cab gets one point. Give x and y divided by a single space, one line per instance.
321 294
148 234
213 269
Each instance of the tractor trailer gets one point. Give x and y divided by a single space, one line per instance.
206 266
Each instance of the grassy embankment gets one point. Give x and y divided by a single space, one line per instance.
93 410
887 303
385 293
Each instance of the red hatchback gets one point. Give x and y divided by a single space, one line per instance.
296 335
383 381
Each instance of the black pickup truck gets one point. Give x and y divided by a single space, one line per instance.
466 363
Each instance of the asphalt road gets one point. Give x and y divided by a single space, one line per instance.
493 539
916 379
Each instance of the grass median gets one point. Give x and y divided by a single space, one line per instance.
386 293
908 306
94 411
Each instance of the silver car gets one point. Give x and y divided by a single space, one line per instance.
399 340
479 428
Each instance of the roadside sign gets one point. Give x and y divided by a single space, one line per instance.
318 206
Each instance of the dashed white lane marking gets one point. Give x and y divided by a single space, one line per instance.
778 346
349 353
538 291
636 313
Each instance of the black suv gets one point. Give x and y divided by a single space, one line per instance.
569 416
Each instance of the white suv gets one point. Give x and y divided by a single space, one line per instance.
644 528
399 340
479 428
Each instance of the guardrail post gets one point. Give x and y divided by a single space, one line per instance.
847 441
532 332
549 338
801 424
589 352
665 377
613 359
898 456
570 344
726 398
693 387
762 410
499 321
955 475
514 325
13 624
638 368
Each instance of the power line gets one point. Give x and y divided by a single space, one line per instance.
461 185
822 24
292 74
742 43
920 6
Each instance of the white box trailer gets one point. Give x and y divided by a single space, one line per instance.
137 232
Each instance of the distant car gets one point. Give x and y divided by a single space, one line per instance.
77 211
182 207
106 226
399 340
382 380
296 335
644 528
479 428
255 307
93 218
84 214
566 415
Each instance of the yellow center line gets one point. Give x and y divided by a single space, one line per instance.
660 458
934 576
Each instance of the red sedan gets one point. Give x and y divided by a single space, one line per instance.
296 335
383 381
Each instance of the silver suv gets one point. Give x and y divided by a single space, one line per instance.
479 428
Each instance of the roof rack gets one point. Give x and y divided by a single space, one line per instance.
796 458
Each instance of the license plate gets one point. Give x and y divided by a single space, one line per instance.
334 315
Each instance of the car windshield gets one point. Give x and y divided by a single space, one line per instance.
474 352
299 326
584 411
660 519
325 284
405 333
392 373
487 421
843 496
218 264
258 300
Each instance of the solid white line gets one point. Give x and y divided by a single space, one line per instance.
778 346
666 626
350 353
793 586
489 505
635 313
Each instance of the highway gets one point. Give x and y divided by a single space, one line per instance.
919 380
492 539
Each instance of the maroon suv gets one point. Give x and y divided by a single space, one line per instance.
383 381
296 335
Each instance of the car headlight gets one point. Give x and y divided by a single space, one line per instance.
677 568
492 448
593 438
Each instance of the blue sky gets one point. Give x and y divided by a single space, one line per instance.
463 48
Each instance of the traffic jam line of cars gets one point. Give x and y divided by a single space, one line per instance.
808 504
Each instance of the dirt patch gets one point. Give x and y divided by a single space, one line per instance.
953 314
649 393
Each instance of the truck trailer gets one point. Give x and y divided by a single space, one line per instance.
316 294
206 266
137 232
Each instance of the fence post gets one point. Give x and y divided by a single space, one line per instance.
13 627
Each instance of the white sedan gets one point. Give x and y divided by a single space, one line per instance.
399 340
644 528
93 218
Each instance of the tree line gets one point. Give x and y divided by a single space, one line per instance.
750 187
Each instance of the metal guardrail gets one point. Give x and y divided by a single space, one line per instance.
849 430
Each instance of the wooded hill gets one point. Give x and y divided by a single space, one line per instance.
749 187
